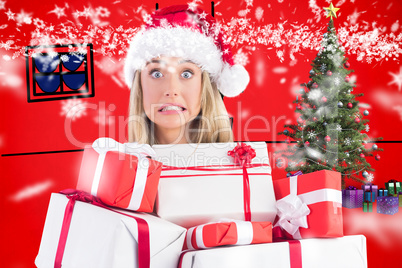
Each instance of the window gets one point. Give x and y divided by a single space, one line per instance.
59 72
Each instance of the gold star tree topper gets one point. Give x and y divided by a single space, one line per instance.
331 11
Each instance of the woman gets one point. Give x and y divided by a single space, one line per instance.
176 67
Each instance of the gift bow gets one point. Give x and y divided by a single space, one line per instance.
292 211
242 155
104 145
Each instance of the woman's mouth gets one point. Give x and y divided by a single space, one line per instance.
171 108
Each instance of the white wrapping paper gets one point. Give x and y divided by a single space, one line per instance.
193 200
343 252
101 238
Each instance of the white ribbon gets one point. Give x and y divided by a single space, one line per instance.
104 145
292 211
244 229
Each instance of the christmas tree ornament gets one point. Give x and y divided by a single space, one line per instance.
347 154
377 157
362 155
350 105
365 174
315 119
325 124
324 99
288 174
298 107
191 34
374 147
327 138
340 104
300 120
346 64
357 120
287 140
312 72
301 90
347 79
329 73
314 107
315 85
306 144
366 113
286 132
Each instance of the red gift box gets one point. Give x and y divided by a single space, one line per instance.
228 233
309 206
120 175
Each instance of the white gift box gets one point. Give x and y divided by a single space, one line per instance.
345 252
101 238
190 197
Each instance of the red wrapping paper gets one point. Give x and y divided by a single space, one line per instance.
118 177
228 233
325 217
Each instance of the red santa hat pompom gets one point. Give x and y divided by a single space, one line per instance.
192 34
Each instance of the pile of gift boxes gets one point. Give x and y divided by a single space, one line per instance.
389 199
197 205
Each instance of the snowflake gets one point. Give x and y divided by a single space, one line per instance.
311 134
397 79
192 6
59 12
10 15
240 58
102 12
339 127
23 17
370 177
203 15
2 4
323 67
64 58
73 108
348 141
314 94
367 128
337 81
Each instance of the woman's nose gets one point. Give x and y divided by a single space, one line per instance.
173 85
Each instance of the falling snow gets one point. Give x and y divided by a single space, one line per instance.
397 79
323 67
348 141
368 43
311 134
337 81
73 108
367 128
370 177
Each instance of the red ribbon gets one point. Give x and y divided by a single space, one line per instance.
295 253
144 255
243 154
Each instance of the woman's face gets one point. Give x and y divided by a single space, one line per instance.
171 90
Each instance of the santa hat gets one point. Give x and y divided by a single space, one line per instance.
192 34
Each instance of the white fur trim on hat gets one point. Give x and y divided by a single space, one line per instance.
190 45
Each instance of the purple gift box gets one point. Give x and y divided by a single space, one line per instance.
387 205
372 188
352 197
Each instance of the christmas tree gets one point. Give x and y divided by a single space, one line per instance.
330 132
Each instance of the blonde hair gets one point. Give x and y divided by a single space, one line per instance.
211 125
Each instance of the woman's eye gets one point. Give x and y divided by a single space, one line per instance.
187 74
156 74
